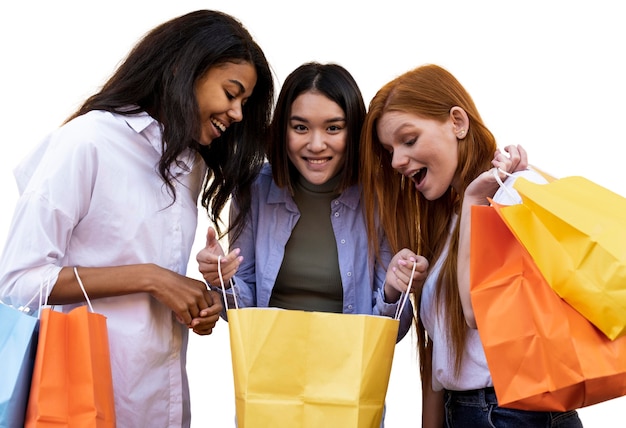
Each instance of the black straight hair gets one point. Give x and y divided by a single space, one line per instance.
337 84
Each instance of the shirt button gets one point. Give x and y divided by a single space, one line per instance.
349 273
336 214
343 241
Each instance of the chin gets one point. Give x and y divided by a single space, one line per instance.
205 141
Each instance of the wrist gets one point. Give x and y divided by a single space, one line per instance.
390 294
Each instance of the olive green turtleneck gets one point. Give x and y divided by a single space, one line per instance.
309 277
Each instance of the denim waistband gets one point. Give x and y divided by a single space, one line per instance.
474 397
488 390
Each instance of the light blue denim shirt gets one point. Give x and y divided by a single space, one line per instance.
273 216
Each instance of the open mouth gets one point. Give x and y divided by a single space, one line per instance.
419 175
219 125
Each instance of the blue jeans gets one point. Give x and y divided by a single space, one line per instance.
479 408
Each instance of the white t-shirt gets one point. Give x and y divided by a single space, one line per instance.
474 373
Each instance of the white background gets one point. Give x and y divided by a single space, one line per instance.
545 74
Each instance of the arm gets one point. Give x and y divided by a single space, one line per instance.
186 297
483 187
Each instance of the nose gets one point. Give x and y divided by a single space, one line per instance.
236 112
398 160
316 143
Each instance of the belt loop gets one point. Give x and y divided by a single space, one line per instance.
483 399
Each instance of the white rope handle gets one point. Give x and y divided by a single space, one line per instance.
405 296
512 195
232 284
26 308
82 287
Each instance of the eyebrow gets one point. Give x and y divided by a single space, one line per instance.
242 89
331 120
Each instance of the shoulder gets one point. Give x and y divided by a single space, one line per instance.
95 122
264 178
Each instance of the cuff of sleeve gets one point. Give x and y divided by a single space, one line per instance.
387 309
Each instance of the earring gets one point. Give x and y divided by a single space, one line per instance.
462 133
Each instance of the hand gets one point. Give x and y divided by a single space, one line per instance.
208 257
207 318
485 185
399 273
513 159
186 297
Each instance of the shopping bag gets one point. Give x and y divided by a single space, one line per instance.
310 369
72 382
542 353
18 344
300 369
575 230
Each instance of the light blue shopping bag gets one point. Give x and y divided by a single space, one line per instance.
19 332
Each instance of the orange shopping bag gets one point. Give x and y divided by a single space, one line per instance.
72 383
542 353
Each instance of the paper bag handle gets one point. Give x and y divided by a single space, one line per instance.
82 287
405 296
503 187
26 308
232 284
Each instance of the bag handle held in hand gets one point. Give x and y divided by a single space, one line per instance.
405 296
232 285
503 187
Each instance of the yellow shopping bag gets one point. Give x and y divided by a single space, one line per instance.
575 231
310 369
301 369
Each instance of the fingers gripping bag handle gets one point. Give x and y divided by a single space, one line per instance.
405 296
232 285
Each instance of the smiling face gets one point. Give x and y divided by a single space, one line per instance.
316 137
424 150
221 94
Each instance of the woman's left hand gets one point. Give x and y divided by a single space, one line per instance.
513 159
204 323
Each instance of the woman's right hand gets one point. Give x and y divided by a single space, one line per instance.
399 273
212 254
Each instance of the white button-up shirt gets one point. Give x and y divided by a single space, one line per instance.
91 196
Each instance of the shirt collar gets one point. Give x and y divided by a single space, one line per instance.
144 124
